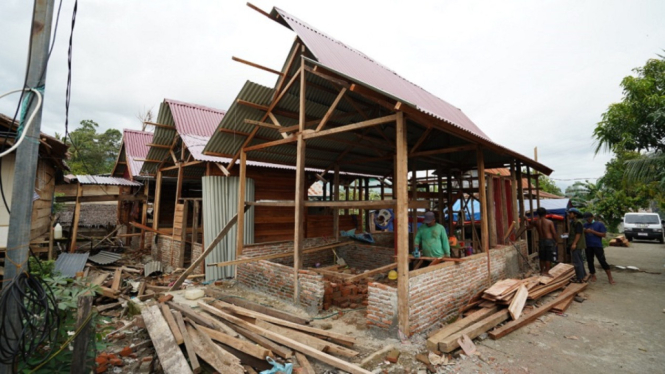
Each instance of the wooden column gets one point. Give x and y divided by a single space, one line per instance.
367 198
537 177
178 188
335 197
528 179
491 212
505 205
183 235
82 340
439 189
144 213
449 201
156 203
347 188
240 233
414 197
401 211
77 216
520 193
361 197
195 221
484 231
298 233
513 187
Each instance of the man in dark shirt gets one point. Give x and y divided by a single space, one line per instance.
594 231
576 242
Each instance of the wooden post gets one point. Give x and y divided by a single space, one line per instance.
156 203
240 237
439 189
414 197
183 236
298 236
520 193
504 204
400 185
482 194
144 213
513 189
491 212
537 176
195 222
361 197
449 200
528 179
50 237
347 188
77 216
335 197
83 339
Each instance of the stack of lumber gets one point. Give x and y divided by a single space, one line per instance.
237 339
488 309
619 241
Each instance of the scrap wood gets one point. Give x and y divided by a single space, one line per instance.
511 326
467 345
277 349
228 358
117 279
303 348
558 271
173 325
191 314
210 354
450 343
304 364
241 345
562 306
314 342
501 287
541 291
433 341
257 307
168 351
189 346
220 325
102 308
517 305
425 360
376 354
312 330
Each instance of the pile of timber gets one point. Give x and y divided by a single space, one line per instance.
238 339
619 241
487 310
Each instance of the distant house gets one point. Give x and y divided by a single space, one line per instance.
50 169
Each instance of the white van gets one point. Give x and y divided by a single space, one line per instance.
646 226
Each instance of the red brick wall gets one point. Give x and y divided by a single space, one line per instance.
366 257
438 295
323 257
168 250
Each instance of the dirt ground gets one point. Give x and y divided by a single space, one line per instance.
618 329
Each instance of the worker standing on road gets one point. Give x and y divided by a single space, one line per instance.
594 231
432 238
576 242
546 242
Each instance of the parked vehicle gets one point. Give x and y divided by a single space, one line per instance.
647 226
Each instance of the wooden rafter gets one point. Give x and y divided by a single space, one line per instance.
330 111
170 127
255 65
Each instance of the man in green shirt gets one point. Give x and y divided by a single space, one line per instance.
432 239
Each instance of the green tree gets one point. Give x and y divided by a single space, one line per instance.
92 152
547 184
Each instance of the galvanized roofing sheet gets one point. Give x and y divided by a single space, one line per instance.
353 63
103 180
68 264
136 147
152 267
105 257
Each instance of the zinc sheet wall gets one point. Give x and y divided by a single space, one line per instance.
220 204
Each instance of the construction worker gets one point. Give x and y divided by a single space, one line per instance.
595 231
576 242
432 238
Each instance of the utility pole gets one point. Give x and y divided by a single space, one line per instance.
26 164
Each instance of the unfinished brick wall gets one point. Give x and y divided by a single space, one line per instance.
366 256
437 295
168 250
323 257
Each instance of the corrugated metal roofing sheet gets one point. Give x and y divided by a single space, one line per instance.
105 257
353 63
103 180
152 267
136 147
68 264
193 119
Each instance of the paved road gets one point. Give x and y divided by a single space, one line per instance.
618 329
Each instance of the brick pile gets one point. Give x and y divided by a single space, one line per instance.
345 295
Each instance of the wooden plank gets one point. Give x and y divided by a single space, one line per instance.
511 326
312 341
450 343
304 364
265 343
192 315
241 345
240 214
273 256
77 217
300 197
206 252
351 127
401 213
437 336
262 309
562 306
168 351
300 347
503 286
252 64
157 201
189 346
336 198
312 330
212 353
518 302
173 325
331 109
373 272
117 279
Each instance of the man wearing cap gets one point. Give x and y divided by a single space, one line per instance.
576 242
594 232
431 238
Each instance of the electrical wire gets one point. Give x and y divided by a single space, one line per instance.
28 122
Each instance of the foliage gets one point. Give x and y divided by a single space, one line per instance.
58 207
92 152
546 184
42 269
637 122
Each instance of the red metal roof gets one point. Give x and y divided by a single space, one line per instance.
358 66
193 119
136 146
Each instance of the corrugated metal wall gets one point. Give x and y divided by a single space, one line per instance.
220 204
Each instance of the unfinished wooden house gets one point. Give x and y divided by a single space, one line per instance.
334 108
195 194
50 169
